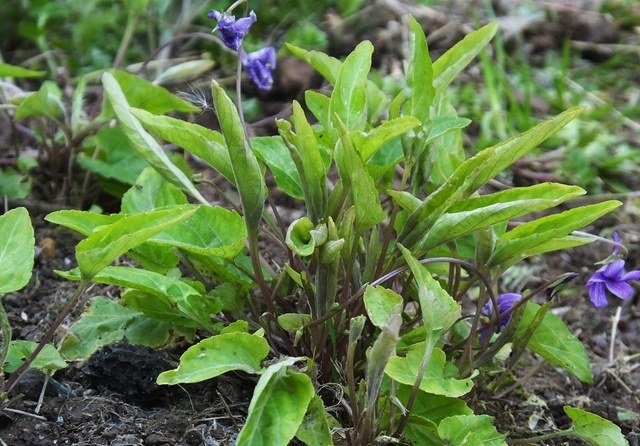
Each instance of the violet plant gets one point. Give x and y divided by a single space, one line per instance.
358 337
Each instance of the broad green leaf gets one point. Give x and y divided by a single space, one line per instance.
433 407
327 66
104 322
476 213
277 408
142 142
163 308
359 184
7 70
553 341
451 63
45 102
204 143
314 429
13 184
274 153
293 321
435 380
594 429
422 431
470 430
212 231
534 233
108 243
349 99
367 144
318 104
16 250
441 125
380 304
143 94
150 192
420 91
216 355
246 169
47 359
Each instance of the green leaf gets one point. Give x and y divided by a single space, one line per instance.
216 355
246 170
532 234
380 304
204 143
149 192
16 250
108 243
594 429
359 184
553 341
327 66
420 91
433 407
104 322
277 408
142 142
273 151
470 430
314 429
367 144
185 71
84 222
451 63
7 70
476 213
143 94
45 102
299 238
14 185
349 99
441 125
435 380
47 359
318 104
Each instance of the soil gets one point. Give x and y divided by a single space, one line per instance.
112 399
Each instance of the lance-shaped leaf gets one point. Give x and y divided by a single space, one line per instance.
326 65
16 250
534 233
216 355
142 142
360 185
420 91
7 70
108 243
246 170
451 63
348 103
204 143
273 151
277 408
368 143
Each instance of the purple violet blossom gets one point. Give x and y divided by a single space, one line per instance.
259 66
231 31
505 302
611 277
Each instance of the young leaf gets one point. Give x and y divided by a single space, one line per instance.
318 104
16 250
7 70
594 429
327 66
420 90
553 341
277 408
44 102
143 143
380 303
216 355
104 322
108 243
349 99
451 63
274 153
367 144
246 170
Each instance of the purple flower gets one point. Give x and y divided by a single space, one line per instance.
611 277
231 31
505 302
259 66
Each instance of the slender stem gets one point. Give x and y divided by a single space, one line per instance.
132 19
15 376
539 438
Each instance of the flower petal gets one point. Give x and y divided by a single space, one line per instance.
621 289
631 275
614 270
597 295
